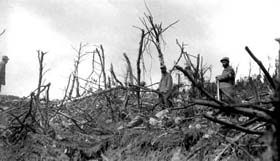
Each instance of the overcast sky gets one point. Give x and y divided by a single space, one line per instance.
214 29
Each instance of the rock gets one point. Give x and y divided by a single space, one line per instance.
154 122
206 136
135 122
108 121
210 113
120 127
162 114
59 137
243 119
197 126
179 120
168 123
177 156
104 158
5 108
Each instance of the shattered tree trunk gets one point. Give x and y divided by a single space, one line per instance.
157 35
140 53
274 132
103 67
276 135
77 86
75 73
41 66
114 75
129 76
42 109
102 63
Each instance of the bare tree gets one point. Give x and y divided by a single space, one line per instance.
100 53
140 55
41 55
42 109
75 73
155 32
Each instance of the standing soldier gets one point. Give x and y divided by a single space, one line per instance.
165 87
3 71
226 81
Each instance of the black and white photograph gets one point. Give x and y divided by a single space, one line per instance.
139 80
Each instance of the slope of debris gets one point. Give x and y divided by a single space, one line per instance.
110 126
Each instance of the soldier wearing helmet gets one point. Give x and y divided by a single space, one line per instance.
3 70
165 87
227 81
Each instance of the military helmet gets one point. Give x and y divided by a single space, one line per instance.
225 59
5 57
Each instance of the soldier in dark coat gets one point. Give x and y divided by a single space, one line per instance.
227 81
165 87
3 70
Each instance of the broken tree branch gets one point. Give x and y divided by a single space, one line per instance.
247 111
2 32
266 73
180 56
186 73
233 126
233 142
